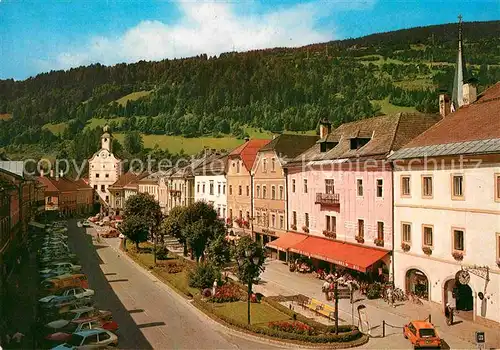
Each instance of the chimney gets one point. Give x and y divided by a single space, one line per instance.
51 172
325 127
470 94
444 105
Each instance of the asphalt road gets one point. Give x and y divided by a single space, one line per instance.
149 314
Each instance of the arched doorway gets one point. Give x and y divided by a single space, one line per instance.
417 283
460 297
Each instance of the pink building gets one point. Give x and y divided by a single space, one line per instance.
340 192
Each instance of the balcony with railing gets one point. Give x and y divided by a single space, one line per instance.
330 199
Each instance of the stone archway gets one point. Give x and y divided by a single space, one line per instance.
416 282
460 297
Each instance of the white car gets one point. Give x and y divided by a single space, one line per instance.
78 293
90 339
67 265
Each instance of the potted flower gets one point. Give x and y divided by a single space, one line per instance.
293 227
360 239
239 222
459 256
229 222
427 250
405 246
305 229
379 242
330 234
246 224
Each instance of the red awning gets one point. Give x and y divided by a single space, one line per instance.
339 253
286 241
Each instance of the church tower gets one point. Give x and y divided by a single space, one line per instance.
461 75
106 139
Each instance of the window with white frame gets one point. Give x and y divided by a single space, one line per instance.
359 187
282 222
273 164
264 191
293 185
258 191
305 185
211 184
405 185
281 193
458 186
427 186
458 240
428 232
273 192
380 188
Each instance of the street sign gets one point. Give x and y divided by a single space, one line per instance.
344 293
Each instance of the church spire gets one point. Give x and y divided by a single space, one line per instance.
460 72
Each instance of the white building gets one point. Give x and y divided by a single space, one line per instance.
447 209
210 185
104 168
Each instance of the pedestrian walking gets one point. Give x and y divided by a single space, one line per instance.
17 339
448 313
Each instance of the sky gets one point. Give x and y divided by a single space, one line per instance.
41 35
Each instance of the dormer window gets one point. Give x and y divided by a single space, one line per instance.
326 146
358 142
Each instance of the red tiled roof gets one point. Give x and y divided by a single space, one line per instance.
478 121
349 255
248 151
82 184
286 241
129 178
60 184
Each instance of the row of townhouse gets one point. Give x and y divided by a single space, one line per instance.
21 200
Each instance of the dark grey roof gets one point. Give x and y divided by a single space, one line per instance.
457 148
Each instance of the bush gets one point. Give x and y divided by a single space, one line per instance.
292 327
374 291
173 267
353 336
204 275
161 253
227 293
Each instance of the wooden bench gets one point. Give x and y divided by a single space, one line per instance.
320 308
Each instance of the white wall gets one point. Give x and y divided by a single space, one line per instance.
477 214
219 196
109 169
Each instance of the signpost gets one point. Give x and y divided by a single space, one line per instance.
480 339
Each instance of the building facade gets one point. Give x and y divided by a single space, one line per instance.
104 169
340 193
210 182
123 188
447 210
270 186
67 197
239 185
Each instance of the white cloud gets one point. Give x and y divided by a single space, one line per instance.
211 28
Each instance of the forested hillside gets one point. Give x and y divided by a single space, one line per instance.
275 90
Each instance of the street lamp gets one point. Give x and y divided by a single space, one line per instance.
253 262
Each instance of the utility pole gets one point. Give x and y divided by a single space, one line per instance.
336 293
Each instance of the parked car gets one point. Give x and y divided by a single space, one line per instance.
77 292
74 268
422 334
83 313
47 273
91 339
110 234
58 283
50 259
64 333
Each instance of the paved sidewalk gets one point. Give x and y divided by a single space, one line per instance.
278 280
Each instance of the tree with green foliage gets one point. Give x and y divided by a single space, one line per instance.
172 225
204 275
135 228
246 249
219 250
133 142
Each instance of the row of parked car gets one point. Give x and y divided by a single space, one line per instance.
68 318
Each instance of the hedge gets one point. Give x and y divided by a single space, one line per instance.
354 337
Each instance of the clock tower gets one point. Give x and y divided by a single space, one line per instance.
104 170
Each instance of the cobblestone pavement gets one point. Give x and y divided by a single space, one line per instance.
277 280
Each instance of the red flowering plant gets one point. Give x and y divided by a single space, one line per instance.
329 234
459 256
305 229
229 222
293 227
227 293
292 327
405 246
359 239
239 222
246 224
379 242
427 250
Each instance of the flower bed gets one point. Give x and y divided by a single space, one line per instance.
227 293
296 327
349 336
329 234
